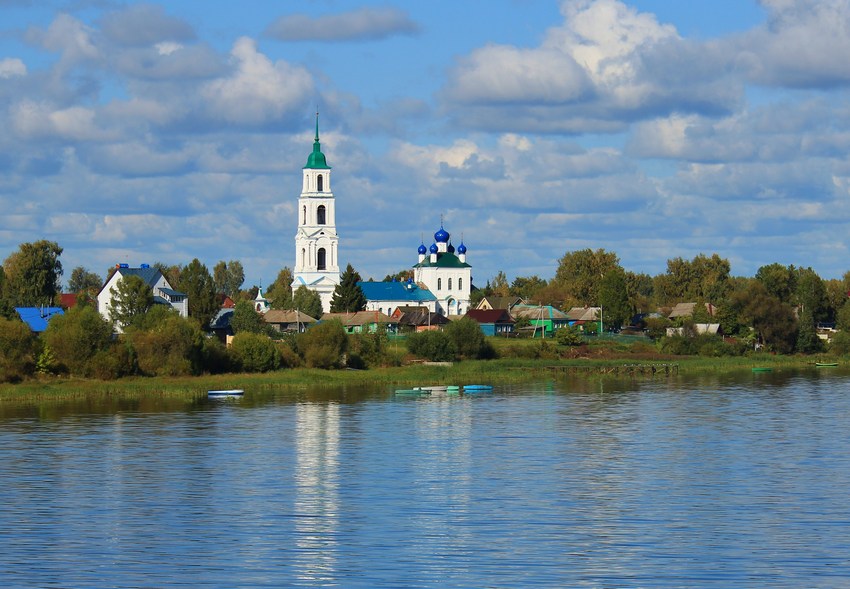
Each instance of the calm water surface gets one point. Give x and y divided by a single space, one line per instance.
732 482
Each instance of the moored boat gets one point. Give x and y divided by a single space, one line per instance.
225 393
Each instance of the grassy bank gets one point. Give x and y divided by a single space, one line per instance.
509 370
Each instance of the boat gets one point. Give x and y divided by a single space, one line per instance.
219 393
762 369
435 388
825 364
477 388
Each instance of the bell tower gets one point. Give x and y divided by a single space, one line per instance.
316 241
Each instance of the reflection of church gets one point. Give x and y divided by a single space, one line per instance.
316 242
444 271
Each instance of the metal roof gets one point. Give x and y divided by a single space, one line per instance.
395 291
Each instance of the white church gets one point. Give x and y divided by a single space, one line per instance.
441 269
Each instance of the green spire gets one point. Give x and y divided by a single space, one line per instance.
316 160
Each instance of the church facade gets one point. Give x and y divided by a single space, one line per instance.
443 270
316 241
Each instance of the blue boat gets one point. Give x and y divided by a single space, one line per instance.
477 388
223 393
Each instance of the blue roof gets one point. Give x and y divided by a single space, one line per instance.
173 293
149 275
37 317
395 291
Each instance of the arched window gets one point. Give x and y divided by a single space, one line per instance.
303 257
439 283
319 183
304 215
320 259
320 214
460 283
450 283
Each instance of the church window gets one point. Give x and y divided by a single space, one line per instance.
460 283
450 283
320 214
320 259
439 283
303 257
303 215
319 183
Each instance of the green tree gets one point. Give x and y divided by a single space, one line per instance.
76 337
174 346
82 281
810 295
614 299
641 291
499 287
228 277
7 309
434 346
772 319
779 281
348 296
17 350
702 278
569 336
468 338
280 291
196 282
580 272
527 287
308 302
131 296
400 276
808 341
323 345
246 319
33 273
254 352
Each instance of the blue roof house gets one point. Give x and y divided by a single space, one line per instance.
37 317
385 297
163 293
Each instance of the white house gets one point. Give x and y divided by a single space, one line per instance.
163 294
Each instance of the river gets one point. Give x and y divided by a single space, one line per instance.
733 481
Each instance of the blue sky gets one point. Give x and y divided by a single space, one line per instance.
153 132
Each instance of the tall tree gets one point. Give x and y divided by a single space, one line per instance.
131 297
228 277
779 281
307 301
245 318
527 287
33 273
810 295
614 299
196 282
499 286
348 297
702 278
580 272
280 291
82 280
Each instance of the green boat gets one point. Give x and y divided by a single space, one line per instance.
762 369
825 364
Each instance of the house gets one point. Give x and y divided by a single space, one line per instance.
419 319
491 302
220 324
701 328
544 319
682 310
288 321
163 293
38 317
581 315
363 321
493 321
386 297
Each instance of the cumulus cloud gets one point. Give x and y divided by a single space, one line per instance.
144 25
69 37
258 90
11 67
364 24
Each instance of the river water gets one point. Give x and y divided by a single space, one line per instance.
735 481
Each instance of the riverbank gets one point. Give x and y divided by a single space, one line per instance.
479 371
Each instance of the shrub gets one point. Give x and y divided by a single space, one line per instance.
76 337
568 336
253 352
174 347
436 346
840 344
323 345
17 349
467 337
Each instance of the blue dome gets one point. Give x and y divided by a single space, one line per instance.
451 248
433 248
441 236
461 249
422 249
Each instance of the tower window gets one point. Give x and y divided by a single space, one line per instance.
320 259
320 214
319 183
450 283
303 215
439 283
303 257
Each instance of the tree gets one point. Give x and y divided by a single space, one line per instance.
779 281
279 292
228 277
76 337
467 337
772 319
17 347
435 346
702 278
323 345
246 319
131 297
174 346
33 273
614 299
348 296
580 272
7 309
308 302
82 280
254 352
499 287
526 287
810 295
196 282
641 291
400 276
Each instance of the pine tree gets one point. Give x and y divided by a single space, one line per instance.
348 297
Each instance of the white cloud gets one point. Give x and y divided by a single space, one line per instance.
258 90
11 67
362 24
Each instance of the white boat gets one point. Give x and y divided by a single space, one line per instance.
225 393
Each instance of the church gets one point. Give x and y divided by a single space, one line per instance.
442 277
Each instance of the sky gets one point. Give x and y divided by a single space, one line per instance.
161 132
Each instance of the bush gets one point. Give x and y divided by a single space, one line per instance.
568 336
253 352
677 345
216 360
467 337
323 345
174 347
17 350
76 337
435 346
840 344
